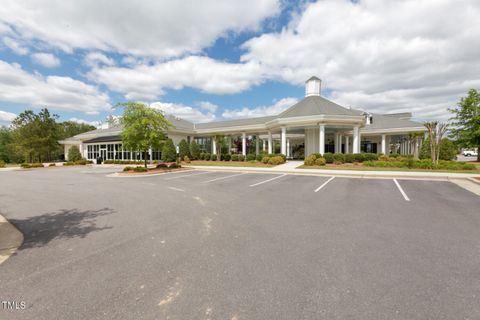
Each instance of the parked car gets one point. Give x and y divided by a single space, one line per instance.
470 153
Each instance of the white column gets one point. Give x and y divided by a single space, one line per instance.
214 146
244 143
288 148
270 142
347 142
321 139
384 143
257 144
264 148
335 141
356 138
283 149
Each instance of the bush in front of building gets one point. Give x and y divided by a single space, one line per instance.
194 150
241 157
206 156
359 157
213 157
227 157
174 166
169 152
127 168
276 160
328 157
265 159
2 164
183 149
234 157
349 158
251 157
140 169
338 158
320 161
370 156
259 157
310 160
74 154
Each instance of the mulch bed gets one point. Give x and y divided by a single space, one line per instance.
151 171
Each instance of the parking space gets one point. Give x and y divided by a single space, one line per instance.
232 245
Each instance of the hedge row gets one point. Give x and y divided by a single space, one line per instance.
420 164
77 163
340 158
122 162
250 157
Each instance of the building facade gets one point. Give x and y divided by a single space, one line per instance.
313 125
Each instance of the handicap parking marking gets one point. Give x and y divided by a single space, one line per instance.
324 184
188 175
401 190
225 177
268 180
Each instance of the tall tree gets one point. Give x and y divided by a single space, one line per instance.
183 149
143 127
5 139
466 121
194 150
436 132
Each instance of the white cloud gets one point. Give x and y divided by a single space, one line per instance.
92 123
154 28
96 58
185 112
208 106
148 82
15 46
274 109
6 118
385 55
54 92
47 60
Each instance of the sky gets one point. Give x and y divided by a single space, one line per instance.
218 60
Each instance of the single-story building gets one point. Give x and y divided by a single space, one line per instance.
313 125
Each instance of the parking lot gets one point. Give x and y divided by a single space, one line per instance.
230 245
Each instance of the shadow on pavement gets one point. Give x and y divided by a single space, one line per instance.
40 230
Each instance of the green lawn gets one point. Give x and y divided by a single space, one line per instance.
229 164
364 168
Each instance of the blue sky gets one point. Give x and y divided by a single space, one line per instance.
207 61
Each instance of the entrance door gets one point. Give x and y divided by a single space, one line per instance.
103 154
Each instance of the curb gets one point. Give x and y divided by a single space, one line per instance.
10 239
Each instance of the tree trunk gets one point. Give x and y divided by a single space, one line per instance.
478 153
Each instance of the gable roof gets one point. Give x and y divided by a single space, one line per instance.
385 121
234 123
317 105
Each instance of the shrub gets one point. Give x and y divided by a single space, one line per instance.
320 161
37 165
328 157
81 162
424 164
2 164
339 158
383 158
259 157
370 156
127 168
201 156
140 169
284 157
74 154
206 156
349 158
69 163
265 159
52 165
310 160
317 155
174 166
276 160
227 157
213 157
194 150
251 157
359 157
183 149
234 157
169 152
162 165
241 157
186 159
26 165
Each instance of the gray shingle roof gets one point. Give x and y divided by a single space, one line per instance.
316 105
312 78
382 121
233 123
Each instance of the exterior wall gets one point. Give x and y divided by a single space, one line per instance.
177 138
311 141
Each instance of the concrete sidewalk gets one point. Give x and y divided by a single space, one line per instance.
291 168
10 239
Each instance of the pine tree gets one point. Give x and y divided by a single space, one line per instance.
169 152
183 149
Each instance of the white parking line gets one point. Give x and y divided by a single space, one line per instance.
221 178
401 190
262 182
176 189
324 184
188 175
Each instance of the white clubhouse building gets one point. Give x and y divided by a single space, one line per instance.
313 125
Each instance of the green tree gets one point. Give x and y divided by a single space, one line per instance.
69 129
143 127
447 149
74 154
466 121
169 152
218 139
5 139
183 149
194 150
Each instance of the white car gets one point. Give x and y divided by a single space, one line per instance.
470 153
